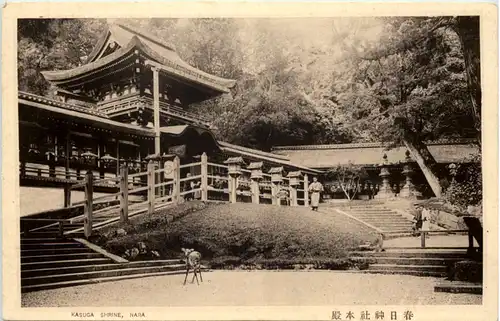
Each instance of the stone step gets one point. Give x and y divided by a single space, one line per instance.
397 267
411 260
29 246
459 287
64 263
54 250
117 271
37 240
97 280
59 257
406 272
413 253
394 223
89 267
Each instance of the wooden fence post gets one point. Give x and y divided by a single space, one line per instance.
423 234
306 190
124 193
151 187
89 190
204 177
293 195
67 195
176 192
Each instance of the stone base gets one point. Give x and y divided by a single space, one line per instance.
383 195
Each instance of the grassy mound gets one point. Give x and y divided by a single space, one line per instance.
246 235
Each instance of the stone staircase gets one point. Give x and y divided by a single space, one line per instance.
50 262
434 262
378 216
51 259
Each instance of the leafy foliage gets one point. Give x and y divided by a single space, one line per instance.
348 177
355 80
467 188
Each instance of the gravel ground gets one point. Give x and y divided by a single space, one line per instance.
256 288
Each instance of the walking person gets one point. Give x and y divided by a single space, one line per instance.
315 189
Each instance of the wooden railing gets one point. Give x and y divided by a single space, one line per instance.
206 182
423 235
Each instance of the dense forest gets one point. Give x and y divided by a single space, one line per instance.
401 80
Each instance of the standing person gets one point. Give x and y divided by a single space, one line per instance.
315 189
426 220
417 218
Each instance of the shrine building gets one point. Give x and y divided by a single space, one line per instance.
390 170
125 105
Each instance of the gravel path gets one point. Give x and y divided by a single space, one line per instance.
258 288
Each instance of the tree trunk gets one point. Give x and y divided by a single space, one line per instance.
467 28
426 162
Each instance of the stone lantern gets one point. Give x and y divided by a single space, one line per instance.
408 190
276 174
256 170
234 171
276 180
234 165
385 190
255 176
295 180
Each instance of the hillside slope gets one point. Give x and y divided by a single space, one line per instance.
243 233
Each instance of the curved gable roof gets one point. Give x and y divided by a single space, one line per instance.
129 39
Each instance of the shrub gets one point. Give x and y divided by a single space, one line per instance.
467 188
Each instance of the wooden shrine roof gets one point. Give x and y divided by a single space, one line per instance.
258 155
370 154
78 114
129 40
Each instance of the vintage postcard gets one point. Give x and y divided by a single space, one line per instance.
230 161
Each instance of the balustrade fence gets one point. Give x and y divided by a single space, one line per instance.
160 187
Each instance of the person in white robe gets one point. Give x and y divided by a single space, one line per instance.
316 188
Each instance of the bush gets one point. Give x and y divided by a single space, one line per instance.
467 188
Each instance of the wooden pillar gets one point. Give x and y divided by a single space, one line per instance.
68 154
156 107
100 165
151 187
67 195
176 192
124 194
423 234
117 157
233 185
89 189
293 195
306 190
204 177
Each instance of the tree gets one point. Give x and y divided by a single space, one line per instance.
348 177
50 44
412 88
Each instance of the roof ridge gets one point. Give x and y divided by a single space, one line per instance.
256 151
146 34
60 104
373 144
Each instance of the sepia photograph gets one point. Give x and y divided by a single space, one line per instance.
251 162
